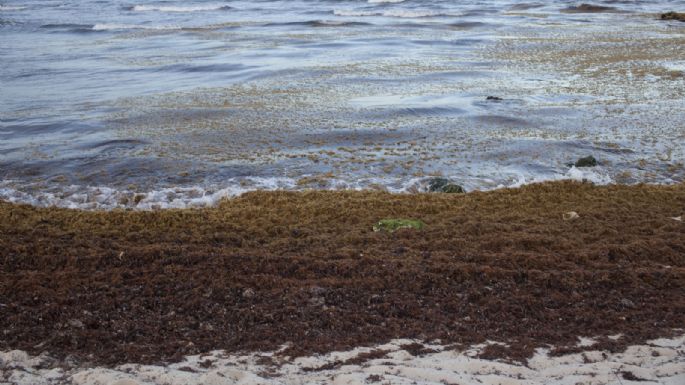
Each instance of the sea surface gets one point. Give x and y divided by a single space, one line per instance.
157 104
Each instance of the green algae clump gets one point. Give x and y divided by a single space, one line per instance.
452 189
391 225
436 184
588 161
444 186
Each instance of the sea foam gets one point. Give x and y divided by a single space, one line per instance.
11 8
402 13
190 8
109 27
107 198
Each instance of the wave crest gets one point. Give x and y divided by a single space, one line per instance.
392 13
11 8
110 27
169 8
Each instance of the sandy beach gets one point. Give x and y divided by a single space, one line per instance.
397 362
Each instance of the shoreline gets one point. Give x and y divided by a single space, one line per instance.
268 268
103 198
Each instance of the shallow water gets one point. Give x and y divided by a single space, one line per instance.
179 103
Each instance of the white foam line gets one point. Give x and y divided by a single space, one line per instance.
391 13
656 362
107 198
195 8
11 8
91 198
108 27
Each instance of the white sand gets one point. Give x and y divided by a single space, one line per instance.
657 362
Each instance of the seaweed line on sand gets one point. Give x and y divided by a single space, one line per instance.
306 268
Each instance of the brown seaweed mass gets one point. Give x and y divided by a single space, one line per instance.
268 268
673 16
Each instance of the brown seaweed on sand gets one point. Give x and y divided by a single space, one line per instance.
268 268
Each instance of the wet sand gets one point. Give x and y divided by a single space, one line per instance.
306 268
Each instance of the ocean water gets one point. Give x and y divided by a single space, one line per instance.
155 104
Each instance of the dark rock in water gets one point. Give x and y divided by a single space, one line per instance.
494 98
436 184
673 16
588 161
453 189
444 186
588 8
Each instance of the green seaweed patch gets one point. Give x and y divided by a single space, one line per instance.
436 184
444 186
588 161
391 225
452 189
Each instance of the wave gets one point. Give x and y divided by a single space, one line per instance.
11 8
66 26
189 8
102 27
108 198
392 13
577 174
385 1
464 25
84 28
319 23
111 27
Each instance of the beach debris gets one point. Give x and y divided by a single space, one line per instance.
494 98
571 215
679 218
317 301
680 16
317 290
444 185
317 296
75 323
391 225
588 161
625 302
248 293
